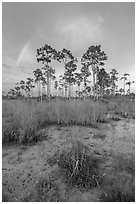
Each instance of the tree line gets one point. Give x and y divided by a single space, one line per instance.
92 63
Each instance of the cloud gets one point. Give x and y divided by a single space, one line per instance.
11 73
78 33
8 64
5 65
20 67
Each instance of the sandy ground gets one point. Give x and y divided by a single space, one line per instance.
24 166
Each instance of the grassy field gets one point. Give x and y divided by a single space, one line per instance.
21 120
72 150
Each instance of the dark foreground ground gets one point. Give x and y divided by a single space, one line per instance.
32 173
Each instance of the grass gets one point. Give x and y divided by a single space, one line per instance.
119 183
119 188
122 106
79 166
99 136
21 120
47 191
4 197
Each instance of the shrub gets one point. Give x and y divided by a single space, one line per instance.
79 166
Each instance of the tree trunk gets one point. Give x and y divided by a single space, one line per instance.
101 91
40 91
93 70
50 86
72 89
94 85
31 93
62 92
65 91
69 91
113 89
124 86
48 89
129 88
44 90
38 87
85 87
48 81
65 84
79 90
95 81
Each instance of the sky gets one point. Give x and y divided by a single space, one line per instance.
74 26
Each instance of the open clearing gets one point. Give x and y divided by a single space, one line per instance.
31 174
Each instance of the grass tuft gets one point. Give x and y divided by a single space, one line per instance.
47 191
79 166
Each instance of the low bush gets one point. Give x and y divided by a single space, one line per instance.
79 166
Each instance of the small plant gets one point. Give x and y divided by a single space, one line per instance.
80 167
47 191
29 135
115 118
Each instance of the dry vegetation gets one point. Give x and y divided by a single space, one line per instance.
80 167
23 119
119 184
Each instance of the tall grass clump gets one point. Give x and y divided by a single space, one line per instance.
19 123
79 112
78 165
22 119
